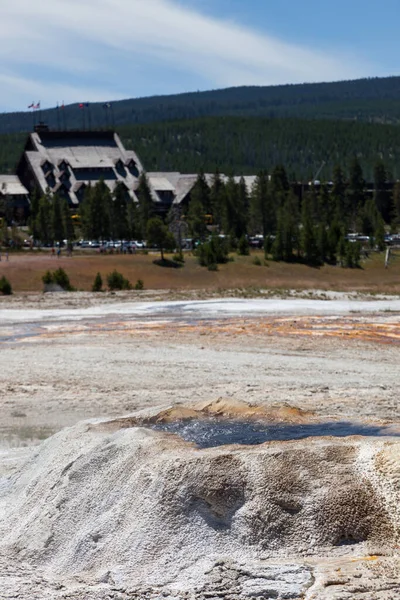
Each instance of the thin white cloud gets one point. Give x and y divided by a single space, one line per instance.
99 40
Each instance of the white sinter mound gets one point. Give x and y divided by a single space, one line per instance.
115 506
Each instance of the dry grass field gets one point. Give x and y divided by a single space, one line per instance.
25 271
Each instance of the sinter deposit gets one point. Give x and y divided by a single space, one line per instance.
116 509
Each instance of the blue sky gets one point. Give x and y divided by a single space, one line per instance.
97 50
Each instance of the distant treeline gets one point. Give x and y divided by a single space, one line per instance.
247 145
375 99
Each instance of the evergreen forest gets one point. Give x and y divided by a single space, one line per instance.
245 145
311 228
371 100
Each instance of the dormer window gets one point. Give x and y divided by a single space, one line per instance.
63 165
64 176
50 179
132 166
46 166
120 168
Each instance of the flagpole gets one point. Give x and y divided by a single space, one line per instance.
58 117
83 115
64 117
112 117
105 115
89 117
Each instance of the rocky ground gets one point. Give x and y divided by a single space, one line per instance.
332 361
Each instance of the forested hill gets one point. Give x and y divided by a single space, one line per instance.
246 145
375 99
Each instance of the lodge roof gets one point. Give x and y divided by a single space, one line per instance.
96 152
12 186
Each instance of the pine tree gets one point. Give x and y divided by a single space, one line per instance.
230 225
262 214
157 234
334 235
217 200
242 209
146 205
133 221
308 241
34 210
101 211
369 218
278 244
196 220
322 243
119 220
57 223
381 194
97 284
67 221
201 193
342 249
279 183
338 193
43 221
380 235
326 207
86 212
355 192
396 204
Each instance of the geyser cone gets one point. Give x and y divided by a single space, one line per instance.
147 508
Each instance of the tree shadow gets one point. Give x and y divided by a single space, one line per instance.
166 262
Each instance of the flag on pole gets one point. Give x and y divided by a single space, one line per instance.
81 105
36 106
106 105
62 105
32 105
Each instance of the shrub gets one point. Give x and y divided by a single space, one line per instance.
233 242
139 285
116 281
212 267
48 277
243 246
61 278
58 277
352 256
97 284
213 252
5 287
268 243
257 261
